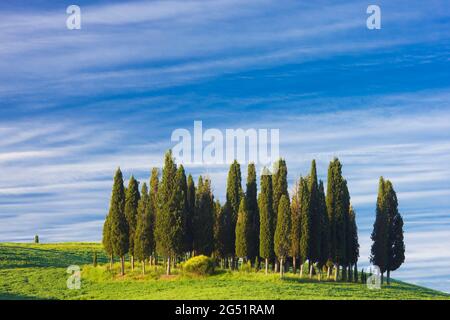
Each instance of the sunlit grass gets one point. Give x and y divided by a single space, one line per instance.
38 271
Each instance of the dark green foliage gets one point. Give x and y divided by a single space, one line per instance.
36 239
352 239
379 251
94 259
253 212
106 238
338 206
144 237
243 227
204 218
233 198
279 185
296 222
315 227
168 227
118 223
324 227
220 232
305 220
282 231
153 198
266 230
190 212
131 203
396 253
182 185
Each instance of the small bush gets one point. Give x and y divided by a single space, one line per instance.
246 267
200 265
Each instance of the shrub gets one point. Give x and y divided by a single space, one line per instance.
246 267
201 265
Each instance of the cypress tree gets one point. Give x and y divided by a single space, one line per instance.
338 206
243 227
131 203
396 245
204 218
190 213
182 184
295 226
282 231
106 240
118 223
314 218
324 230
153 199
266 219
144 241
379 250
252 207
352 241
305 220
280 188
233 198
220 236
168 228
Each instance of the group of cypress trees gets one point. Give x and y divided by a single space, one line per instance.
175 219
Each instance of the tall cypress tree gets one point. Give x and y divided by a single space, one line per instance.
314 218
153 195
295 226
190 212
282 232
253 212
352 241
118 223
204 218
168 228
396 245
131 206
305 220
266 219
182 184
233 197
220 236
338 206
143 243
243 227
379 250
325 228
280 188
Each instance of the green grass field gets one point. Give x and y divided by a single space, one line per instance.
38 271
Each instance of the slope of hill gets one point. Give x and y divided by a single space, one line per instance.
38 271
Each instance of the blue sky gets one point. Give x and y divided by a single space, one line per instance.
76 104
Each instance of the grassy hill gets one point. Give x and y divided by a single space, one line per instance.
38 271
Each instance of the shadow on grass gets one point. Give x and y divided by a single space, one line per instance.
11 296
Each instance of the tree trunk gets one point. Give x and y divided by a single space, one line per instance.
111 262
132 262
143 267
336 272
310 270
267 265
382 277
328 272
276 266
388 279
294 265
122 266
301 270
168 266
281 268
